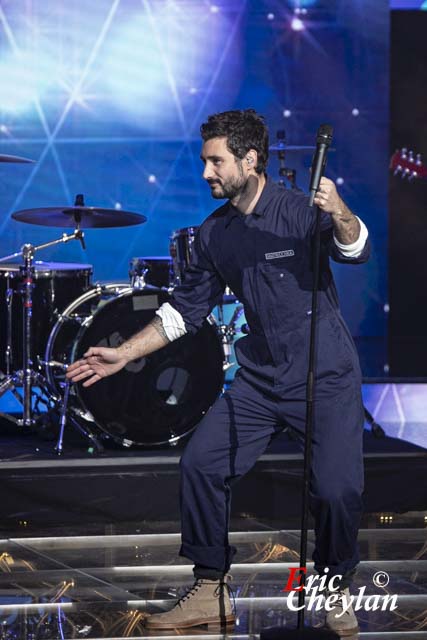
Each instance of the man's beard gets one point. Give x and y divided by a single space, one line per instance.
231 188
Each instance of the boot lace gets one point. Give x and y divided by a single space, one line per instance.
220 589
191 592
218 592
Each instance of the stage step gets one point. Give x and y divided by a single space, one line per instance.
108 584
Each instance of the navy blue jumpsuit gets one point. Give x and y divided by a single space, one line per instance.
266 259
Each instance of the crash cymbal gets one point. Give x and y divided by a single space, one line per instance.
282 146
84 217
7 158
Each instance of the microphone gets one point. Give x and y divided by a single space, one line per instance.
323 142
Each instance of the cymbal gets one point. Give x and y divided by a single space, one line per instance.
282 146
84 217
6 158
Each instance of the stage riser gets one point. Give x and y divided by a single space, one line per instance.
141 492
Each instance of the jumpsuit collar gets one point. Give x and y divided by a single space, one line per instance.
261 207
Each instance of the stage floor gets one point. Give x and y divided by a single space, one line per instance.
89 543
103 586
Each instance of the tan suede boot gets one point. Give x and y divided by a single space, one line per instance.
343 623
207 602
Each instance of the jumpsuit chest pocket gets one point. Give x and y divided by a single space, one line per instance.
281 288
280 267
281 271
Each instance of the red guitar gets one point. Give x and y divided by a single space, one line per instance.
404 163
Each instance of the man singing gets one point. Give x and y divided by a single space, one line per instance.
260 244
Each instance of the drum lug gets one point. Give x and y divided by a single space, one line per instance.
73 318
85 415
173 440
52 363
85 321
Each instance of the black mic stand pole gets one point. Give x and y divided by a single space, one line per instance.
309 417
279 633
301 632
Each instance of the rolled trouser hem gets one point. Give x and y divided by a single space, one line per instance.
217 558
201 571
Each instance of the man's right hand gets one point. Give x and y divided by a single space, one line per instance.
97 363
100 362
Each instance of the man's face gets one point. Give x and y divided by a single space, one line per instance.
225 174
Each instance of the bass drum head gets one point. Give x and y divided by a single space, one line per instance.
157 399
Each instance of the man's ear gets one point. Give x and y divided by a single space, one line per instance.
251 158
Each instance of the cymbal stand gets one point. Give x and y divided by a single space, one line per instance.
285 172
28 377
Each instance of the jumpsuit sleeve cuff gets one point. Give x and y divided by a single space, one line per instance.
354 249
172 320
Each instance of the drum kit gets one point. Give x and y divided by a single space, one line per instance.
52 312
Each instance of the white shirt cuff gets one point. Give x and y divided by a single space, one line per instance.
354 249
172 320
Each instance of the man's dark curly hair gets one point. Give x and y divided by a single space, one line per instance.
244 130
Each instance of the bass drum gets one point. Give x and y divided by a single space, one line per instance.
152 401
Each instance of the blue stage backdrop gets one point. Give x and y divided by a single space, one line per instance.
108 97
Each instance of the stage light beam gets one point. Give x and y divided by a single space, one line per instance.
24 77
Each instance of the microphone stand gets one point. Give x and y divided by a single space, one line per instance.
311 377
279 633
301 632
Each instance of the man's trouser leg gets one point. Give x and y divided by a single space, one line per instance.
231 437
226 444
337 475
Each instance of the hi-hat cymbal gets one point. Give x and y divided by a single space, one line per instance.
84 217
6 158
282 146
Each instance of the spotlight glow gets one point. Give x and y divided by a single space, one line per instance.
157 60
24 77
297 24
304 3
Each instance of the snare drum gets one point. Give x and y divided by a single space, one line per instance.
181 251
56 284
152 401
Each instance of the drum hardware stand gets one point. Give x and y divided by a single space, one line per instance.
285 172
376 429
84 431
28 377
227 333
137 280
61 405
